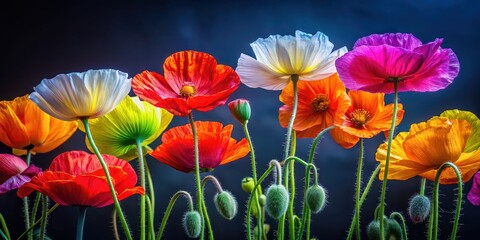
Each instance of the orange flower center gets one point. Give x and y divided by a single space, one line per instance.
320 102
359 117
188 90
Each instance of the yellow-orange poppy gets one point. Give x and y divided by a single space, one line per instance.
23 126
320 104
427 145
366 117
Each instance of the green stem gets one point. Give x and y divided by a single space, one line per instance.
3 235
219 189
81 221
207 220
249 205
43 226
387 158
260 210
26 212
433 225
291 226
200 199
358 187
169 210
305 210
4 227
37 222
422 186
151 198
294 79
126 229
151 230
35 207
364 196
402 220
141 168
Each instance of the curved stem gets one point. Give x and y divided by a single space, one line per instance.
402 220
387 158
364 196
357 192
433 225
81 221
422 186
43 226
37 222
115 225
26 212
125 227
33 214
219 189
305 209
3 235
4 227
170 207
141 170
249 205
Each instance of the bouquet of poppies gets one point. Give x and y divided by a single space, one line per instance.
313 79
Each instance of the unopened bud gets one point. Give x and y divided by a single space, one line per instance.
262 199
248 184
393 230
192 224
418 208
373 229
316 198
226 204
240 109
277 201
256 231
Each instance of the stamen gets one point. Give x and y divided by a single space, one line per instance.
359 117
320 102
188 89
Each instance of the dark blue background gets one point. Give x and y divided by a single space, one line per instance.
41 39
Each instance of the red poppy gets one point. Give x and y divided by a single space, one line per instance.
77 178
214 141
193 80
14 172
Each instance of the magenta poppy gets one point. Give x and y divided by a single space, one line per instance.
474 194
378 60
14 172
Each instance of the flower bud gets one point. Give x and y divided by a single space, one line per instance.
262 199
418 208
277 201
192 224
240 110
256 231
373 229
393 229
315 198
226 204
248 184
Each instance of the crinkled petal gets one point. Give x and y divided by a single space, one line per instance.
403 40
473 142
255 74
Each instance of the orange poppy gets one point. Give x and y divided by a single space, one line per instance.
193 81
320 104
23 125
428 145
366 117
76 178
214 141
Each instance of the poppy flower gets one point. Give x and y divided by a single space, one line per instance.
193 81
474 194
214 141
428 145
117 132
89 94
76 178
320 104
14 172
25 126
278 57
366 117
378 60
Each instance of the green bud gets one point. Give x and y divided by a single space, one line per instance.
192 224
262 199
240 110
373 229
256 231
393 230
248 184
315 198
418 208
277 201
226 204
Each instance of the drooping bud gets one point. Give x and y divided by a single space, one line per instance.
192 224
316 198
226 204
373 229
393 229
418 208
277 201
248 184
240 109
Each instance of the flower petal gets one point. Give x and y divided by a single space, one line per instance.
255 74
403 40
473 142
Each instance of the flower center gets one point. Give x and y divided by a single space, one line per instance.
320 102
359 117
188 89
